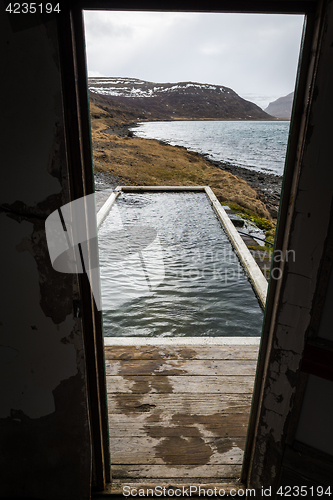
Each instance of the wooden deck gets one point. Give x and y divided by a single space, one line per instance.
178 414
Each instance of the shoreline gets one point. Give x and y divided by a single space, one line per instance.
267 186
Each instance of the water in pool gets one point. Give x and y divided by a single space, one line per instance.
169 270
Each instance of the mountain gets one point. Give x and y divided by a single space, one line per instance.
281 108
175 101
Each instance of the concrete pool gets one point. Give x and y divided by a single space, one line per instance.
169 267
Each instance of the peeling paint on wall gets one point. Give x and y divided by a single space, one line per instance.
310 222
44 422
42 361
31 139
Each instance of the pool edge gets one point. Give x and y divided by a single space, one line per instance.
258 280
180 341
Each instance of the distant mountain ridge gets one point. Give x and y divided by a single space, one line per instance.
281 108
172 101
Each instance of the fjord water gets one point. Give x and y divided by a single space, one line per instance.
257 145
168 269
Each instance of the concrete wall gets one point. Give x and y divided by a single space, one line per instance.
44 427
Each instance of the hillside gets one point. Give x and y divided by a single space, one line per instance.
141 100
281 108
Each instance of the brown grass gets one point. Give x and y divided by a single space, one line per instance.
144 162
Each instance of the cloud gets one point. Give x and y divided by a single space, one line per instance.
251 53
95 73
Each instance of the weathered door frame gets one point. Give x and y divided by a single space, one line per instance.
292 349
75 98
79 155
303 90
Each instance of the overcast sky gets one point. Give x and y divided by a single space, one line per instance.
254 54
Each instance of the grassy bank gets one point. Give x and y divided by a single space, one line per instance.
148 162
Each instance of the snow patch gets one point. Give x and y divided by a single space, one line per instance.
131 87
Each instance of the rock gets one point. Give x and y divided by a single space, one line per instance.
236 220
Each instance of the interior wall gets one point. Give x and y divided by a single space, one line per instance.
316 196
315 421
325 330
44 426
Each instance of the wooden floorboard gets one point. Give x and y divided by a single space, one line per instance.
193 352
178 413
163 471
177 450
195 367
189 486
165 424
143 384
192 404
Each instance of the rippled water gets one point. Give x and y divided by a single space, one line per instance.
168 269
257 145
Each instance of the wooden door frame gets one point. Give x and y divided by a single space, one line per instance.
284 366
79 150
80 170
299 122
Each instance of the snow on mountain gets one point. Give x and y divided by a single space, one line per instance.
169 101
138 88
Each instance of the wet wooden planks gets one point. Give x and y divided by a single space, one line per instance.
183 451
187 486
172 367
163 352
178 412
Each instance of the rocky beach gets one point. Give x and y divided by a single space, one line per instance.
268 186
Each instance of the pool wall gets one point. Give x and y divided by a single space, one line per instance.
257 279
181 341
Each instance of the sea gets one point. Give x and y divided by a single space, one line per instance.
256 145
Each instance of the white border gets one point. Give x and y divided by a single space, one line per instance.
102 212
180 341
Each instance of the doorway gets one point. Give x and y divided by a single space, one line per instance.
232 447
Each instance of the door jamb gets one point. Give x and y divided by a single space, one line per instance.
75 95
